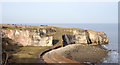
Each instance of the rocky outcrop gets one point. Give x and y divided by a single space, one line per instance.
98 37
85 37
29 37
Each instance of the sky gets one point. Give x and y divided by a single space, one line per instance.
59 0
59 12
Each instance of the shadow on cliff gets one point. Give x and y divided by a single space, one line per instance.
55 41
9 47
68 39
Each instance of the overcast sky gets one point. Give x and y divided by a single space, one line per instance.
59 12
59 0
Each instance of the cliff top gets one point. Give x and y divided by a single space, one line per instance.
18 26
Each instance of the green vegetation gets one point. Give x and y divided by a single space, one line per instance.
29 51
26 54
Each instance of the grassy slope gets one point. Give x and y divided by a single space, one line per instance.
26 54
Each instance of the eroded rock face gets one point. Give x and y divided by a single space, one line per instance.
32 37
98 37
86 37
81 36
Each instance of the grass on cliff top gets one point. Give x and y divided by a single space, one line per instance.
14 26
18 26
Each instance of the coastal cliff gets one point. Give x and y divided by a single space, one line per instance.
41 35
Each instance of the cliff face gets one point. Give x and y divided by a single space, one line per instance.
98 37
85 37
32 37
81 36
